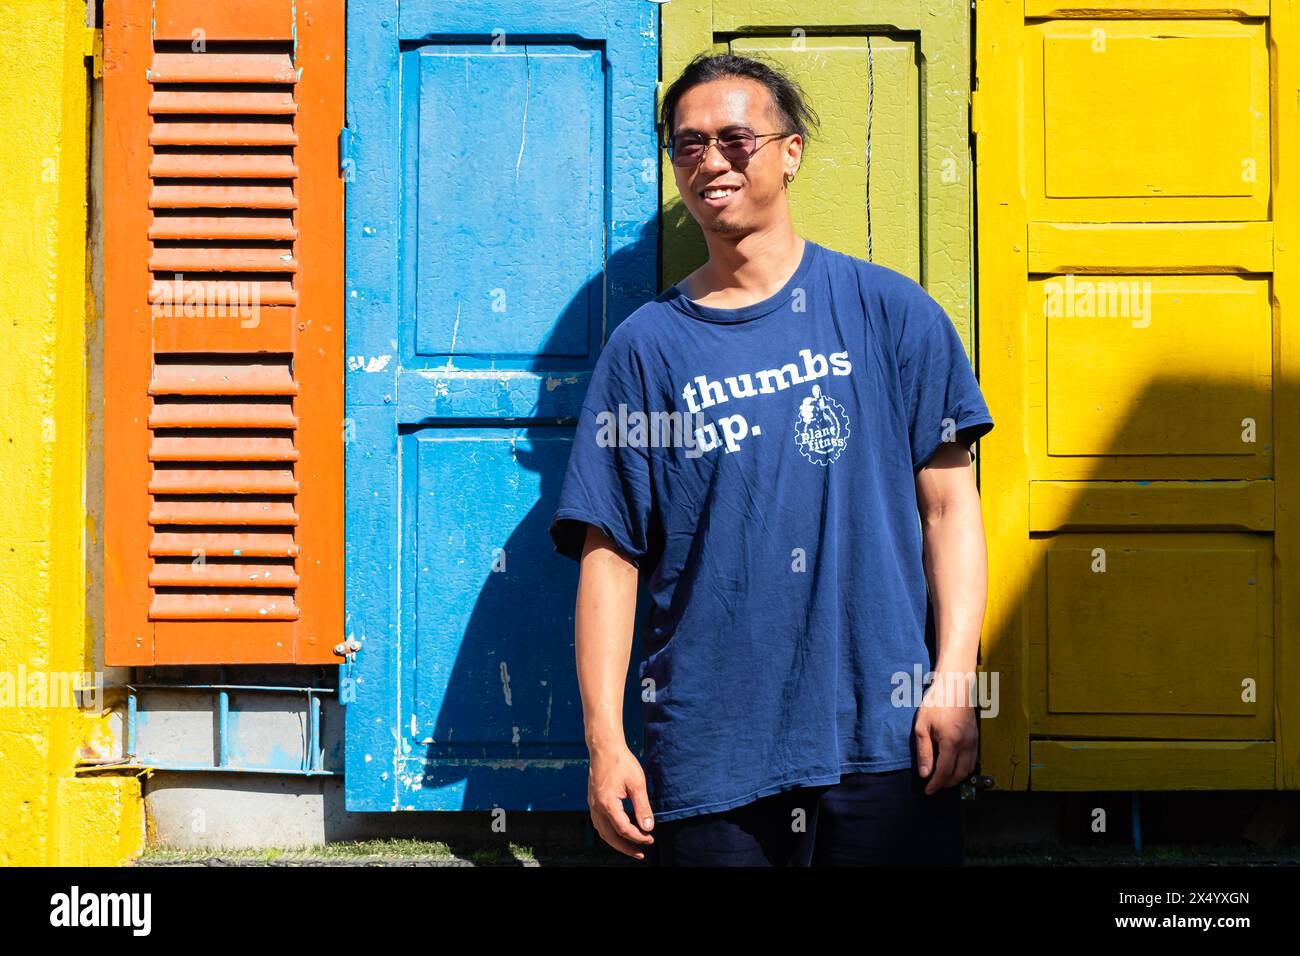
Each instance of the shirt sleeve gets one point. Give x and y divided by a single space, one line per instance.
607 482
941 396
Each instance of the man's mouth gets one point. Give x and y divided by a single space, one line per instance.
718 195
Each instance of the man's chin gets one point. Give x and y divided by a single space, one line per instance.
725 227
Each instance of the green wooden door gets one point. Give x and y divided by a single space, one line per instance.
888 176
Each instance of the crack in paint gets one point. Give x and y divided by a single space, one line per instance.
523 130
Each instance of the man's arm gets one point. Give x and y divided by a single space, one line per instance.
604 618
956 567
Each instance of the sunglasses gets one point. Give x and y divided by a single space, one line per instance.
736 146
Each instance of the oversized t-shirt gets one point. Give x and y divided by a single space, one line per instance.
758 465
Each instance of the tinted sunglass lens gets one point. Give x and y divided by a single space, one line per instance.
737 147
686 153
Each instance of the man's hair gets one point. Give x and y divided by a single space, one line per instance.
792 110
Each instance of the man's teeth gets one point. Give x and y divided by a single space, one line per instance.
718 193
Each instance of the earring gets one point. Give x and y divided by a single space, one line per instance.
789 178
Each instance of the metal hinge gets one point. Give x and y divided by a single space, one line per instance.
976 114
92 46
347 685
346 164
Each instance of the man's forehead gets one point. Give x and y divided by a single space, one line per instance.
734 101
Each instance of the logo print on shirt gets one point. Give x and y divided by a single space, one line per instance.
822 429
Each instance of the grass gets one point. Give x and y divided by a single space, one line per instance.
398 852
390 851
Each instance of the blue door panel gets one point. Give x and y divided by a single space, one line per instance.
501 686
510 147
501 221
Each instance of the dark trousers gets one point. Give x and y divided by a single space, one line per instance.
866 819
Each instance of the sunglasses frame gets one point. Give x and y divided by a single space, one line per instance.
709 141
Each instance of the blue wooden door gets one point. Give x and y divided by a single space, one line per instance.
502 198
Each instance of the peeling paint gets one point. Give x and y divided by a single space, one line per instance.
455 331
376 363
523 130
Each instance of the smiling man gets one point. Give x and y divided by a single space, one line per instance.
822 481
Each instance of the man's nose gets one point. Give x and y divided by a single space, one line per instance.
714 161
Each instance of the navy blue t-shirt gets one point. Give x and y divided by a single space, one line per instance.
758 464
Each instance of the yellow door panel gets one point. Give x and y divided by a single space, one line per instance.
1136 628
1092 765
1157 365
1152 634
1147 120
1063 247
1211 505
1065 8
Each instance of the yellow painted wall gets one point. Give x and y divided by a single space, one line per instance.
48 815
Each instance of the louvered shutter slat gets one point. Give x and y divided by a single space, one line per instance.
235 379
192 196
216 414
230 68
206 258
250 544
272 293
198 165
235 606
252 102
270 226
231 132
214 574
232 512
248 480
223 448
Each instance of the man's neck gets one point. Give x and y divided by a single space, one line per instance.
745 271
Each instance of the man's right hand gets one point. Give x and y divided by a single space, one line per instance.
616 774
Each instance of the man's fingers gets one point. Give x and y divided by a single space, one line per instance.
641 808
944 766
965 748
606 831
924 748
624 827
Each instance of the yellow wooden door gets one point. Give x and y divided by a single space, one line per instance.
1132 172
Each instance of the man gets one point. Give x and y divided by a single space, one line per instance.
828 402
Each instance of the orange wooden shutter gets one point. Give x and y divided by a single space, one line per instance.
223 338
